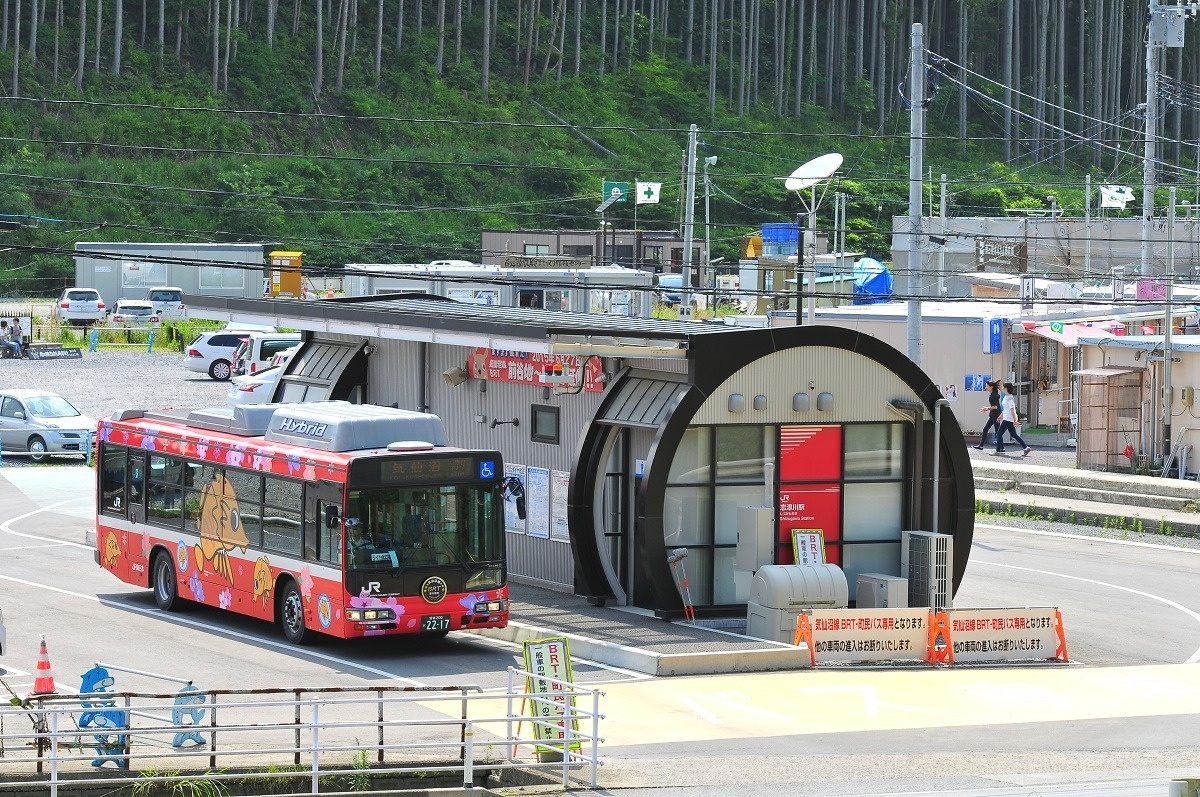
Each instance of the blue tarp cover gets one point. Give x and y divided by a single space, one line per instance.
872 282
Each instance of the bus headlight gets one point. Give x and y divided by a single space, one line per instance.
377 615
491 607
484 579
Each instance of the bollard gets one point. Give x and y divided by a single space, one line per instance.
150 342
87 441
94 340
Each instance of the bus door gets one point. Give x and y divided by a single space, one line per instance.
323 538
136 486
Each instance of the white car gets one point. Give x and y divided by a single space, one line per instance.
168 303
80 306
257 388
259 349
40 423
212 352
133 312
253 388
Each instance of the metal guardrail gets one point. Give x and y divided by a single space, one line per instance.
325 737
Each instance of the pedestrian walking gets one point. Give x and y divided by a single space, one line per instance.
1009 422
992 408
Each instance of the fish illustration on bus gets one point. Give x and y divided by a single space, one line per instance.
220 527
112 551
263 580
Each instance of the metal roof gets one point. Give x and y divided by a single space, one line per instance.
436 320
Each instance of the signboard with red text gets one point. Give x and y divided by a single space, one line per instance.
532 368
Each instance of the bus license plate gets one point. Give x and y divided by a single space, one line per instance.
435 622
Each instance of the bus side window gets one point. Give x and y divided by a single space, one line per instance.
112 480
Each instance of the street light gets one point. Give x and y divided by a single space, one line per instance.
711 160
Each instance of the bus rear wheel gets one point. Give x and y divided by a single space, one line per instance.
291 615
166 587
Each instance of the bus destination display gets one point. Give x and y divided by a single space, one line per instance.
423 470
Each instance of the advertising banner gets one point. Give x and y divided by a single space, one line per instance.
528 368
549 658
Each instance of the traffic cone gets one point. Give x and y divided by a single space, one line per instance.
43 683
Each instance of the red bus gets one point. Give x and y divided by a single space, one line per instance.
326 517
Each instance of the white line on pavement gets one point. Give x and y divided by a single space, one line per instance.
256 640
6 527
1195 657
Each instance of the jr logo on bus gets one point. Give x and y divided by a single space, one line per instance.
305 428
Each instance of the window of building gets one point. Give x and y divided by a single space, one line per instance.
620 254
652 256
222 278
136 274
544 424
848 481
537 249
578 250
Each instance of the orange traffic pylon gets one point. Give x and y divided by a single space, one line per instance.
43 683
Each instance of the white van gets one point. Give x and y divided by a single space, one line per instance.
259 348
168 303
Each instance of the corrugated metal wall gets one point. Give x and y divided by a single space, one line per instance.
393 378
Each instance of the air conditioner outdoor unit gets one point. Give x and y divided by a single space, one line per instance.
927 561
881 591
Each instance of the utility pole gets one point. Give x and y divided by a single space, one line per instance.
1087 227
1170 322
689 213
1153 43
916 162
710 279
941 284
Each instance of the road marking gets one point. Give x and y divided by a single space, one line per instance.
1195 657
255 640
699 710
6 527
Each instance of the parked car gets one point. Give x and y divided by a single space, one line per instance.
132 312
40 423
258 388
253 388
259 348
212 352
80 306
168 303
670 291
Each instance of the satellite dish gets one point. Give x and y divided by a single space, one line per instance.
813 172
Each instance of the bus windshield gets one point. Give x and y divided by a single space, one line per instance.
404 527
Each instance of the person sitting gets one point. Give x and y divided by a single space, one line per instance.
358 543
7 341
17 335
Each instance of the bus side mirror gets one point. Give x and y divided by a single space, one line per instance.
331 516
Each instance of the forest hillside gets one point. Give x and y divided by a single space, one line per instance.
395 131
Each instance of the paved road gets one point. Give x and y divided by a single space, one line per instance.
829 732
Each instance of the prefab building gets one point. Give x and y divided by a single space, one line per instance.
635 438
123 270
603 289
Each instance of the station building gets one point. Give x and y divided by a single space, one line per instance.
637 437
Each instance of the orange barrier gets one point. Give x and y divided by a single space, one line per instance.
940 627
1060 653
804 634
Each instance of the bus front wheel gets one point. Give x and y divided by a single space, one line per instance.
291 615
166 587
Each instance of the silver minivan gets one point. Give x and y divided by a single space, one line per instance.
168 303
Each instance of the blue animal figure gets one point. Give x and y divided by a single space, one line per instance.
186 715
100 715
